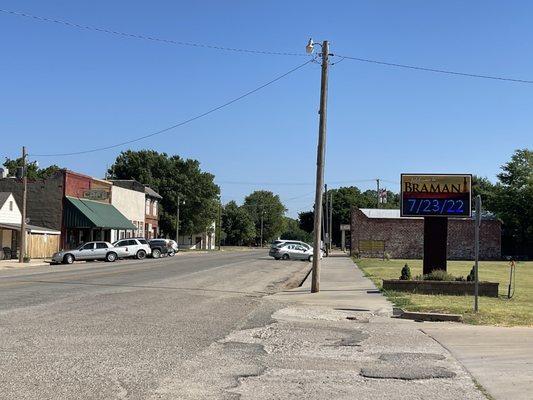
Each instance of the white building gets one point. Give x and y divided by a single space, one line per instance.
131 204
199 241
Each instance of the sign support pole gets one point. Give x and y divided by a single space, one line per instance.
476 251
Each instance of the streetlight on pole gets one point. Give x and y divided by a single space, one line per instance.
321 152
178 222
22 253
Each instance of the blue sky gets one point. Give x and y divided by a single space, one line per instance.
65 89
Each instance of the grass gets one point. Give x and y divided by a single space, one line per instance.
501 311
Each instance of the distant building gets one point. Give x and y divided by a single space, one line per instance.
375 231
149 228
77 205
40 242
199 241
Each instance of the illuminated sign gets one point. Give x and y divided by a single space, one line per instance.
436 195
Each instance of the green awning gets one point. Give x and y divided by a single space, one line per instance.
81 213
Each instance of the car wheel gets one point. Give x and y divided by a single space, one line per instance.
171 253
276 258
111 257
156 253
310 259
68 259
285 257
141 254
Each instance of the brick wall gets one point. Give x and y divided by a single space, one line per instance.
404 237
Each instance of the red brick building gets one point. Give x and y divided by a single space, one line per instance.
375 231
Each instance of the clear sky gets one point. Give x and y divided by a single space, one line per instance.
65 89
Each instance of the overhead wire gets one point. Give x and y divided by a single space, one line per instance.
255 51
146 37
187 121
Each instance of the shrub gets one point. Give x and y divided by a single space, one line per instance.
472 275
439 275
406 273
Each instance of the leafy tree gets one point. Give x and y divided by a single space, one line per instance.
294 232
344 199
512 202
306 221
266 206
32 168
171 176
237 226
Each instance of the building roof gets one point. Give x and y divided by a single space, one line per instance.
31 228
151 192
83 213
3 197
395 214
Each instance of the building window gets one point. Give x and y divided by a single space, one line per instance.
147 207
10 206
155 208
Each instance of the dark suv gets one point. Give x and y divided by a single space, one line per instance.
160 247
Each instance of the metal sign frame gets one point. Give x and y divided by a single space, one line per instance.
440 215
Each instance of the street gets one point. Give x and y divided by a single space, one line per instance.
115 330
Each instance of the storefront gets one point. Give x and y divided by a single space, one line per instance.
88 220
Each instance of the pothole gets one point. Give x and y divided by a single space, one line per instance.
410 372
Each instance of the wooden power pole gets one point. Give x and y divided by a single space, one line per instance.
22 252
321 150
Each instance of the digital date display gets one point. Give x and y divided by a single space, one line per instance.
436 195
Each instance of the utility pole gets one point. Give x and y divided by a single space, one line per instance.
178 223
378 194
321 152
219 223
22 252
330 220
262 213
325 219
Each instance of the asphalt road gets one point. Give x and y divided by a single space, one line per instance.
120 330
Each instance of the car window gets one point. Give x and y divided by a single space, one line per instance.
132 242
120 243
101 245
88 246
142 241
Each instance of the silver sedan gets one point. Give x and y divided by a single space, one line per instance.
89 252
291 252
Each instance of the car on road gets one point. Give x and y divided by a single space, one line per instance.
290 251
161 247
134 247
90 251
280 242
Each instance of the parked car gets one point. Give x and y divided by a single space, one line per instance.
134 247
279 242
288 251
161 247
89 251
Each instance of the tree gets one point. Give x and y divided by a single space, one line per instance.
294 232
173 176
344 199
237 226
264 205
32 168
306 221
512 201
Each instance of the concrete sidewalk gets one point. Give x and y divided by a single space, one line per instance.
342 286
501 359
10 264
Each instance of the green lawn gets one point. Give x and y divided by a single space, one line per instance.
493 311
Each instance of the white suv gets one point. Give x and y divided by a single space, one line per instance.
134 247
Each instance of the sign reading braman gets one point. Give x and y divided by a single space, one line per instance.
436 195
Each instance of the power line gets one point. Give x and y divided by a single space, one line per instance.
254 51
436 70
212 110
145 37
